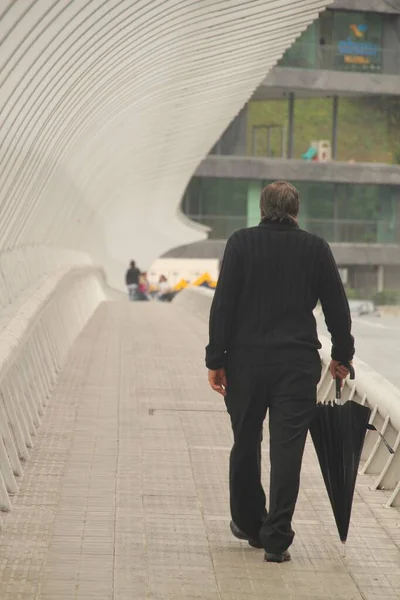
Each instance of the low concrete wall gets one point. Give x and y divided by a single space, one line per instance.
325 82
369 388
34 344
251 167
196 300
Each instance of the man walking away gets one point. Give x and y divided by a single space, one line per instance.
132 281
263 355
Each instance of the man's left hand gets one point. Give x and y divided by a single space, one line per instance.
217 380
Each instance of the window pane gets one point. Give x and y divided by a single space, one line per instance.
303 53
344 213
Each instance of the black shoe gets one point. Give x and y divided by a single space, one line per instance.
277 558
238 533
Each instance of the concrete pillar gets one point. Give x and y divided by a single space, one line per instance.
380 283
335 107
290 140
253 203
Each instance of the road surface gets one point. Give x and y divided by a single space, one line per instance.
377 343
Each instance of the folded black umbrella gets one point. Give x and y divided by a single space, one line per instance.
338 433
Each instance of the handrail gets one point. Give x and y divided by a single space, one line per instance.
379 391
368 388
23 321
34 344
383 398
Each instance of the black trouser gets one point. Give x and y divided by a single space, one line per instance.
289 391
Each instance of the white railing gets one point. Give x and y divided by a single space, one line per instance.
25 268
34 343
369 388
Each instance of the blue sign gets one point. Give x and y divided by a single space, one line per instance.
356 50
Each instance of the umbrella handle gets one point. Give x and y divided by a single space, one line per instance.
351 370
339 381
350 367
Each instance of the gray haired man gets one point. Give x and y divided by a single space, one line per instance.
263 356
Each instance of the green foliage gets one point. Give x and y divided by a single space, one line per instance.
396 156
352 294
368 129
387 297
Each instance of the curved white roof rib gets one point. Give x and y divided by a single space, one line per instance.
107 107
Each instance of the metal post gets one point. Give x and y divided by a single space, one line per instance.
380 278
290 126
269 127
254 140
283 141
336 230
335 107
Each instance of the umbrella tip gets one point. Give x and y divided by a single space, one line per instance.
344 548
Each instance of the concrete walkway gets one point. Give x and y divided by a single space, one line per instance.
125 495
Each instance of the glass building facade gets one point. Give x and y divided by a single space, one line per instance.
220 204
338 212
343 41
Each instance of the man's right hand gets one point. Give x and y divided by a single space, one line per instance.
338 370
217 380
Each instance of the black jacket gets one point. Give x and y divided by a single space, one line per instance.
132 276
271 279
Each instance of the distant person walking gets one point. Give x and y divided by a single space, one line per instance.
132 281
263 354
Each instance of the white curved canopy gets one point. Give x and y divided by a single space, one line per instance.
107 107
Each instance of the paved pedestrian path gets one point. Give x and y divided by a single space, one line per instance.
125 494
